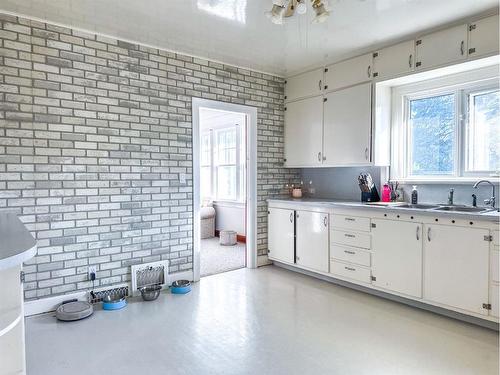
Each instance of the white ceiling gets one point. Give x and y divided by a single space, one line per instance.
237 31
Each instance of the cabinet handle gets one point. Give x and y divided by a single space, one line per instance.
291 217
369 71
410 60
366 153
349 252
349 219
462 43
418 233
320 84
349 235
319 157
325 221
350 269
429 234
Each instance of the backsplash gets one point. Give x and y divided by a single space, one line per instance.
341 183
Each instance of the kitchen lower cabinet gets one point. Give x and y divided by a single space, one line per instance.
312 240
347 126
281 234
397 256
456 262
304 132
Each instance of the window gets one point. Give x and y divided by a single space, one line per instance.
446 129
222 164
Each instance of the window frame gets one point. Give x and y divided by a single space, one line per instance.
461 85
214 163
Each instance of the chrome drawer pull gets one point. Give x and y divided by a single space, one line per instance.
349 235
349 252
350 269
349 219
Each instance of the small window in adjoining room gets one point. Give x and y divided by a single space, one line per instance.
446 129
223 163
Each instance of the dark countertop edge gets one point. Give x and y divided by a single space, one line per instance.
360 205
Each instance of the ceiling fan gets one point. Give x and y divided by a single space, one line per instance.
287 8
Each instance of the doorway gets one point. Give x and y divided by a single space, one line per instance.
224 187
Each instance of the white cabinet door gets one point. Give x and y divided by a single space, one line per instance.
456 262
304 85
347 126
394 60
312 240
397 256
349 72
494 299
483 37
304 132
281 234
442 47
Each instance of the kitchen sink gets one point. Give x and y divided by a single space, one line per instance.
462 209
421 206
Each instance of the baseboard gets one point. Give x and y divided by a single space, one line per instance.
239 237
263 260
45 305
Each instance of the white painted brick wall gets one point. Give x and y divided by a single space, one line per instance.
94 133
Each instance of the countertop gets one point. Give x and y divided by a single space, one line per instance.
493 216
17 245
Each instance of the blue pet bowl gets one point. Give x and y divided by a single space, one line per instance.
108 303
180 287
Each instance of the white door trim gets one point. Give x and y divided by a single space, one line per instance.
251 191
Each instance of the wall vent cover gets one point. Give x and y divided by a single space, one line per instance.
145 274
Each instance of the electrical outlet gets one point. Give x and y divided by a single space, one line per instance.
92 269
182 178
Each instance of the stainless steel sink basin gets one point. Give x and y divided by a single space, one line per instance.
421 206
462 209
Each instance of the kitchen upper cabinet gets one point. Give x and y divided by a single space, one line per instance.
394 60
312 240
281 234
304 132
304 85
483 37
349 72
442 47
456 266
347 126
397 256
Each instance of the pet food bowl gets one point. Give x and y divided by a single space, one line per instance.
150 292
114 302
180 287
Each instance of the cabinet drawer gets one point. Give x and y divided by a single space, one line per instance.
351 222
351 255
356 239
350 271
494 258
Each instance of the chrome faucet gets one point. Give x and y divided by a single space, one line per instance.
491 201
450 196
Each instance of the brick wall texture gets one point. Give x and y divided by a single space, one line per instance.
94 134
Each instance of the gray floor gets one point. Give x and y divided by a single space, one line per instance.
265 321
215 258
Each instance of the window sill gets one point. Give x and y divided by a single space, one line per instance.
456 181
222 203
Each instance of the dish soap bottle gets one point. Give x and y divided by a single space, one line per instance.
414 195
386 193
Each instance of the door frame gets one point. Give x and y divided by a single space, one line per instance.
251 181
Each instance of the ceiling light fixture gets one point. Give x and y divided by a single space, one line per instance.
277 12
286 8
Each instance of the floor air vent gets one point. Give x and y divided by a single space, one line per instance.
154 273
